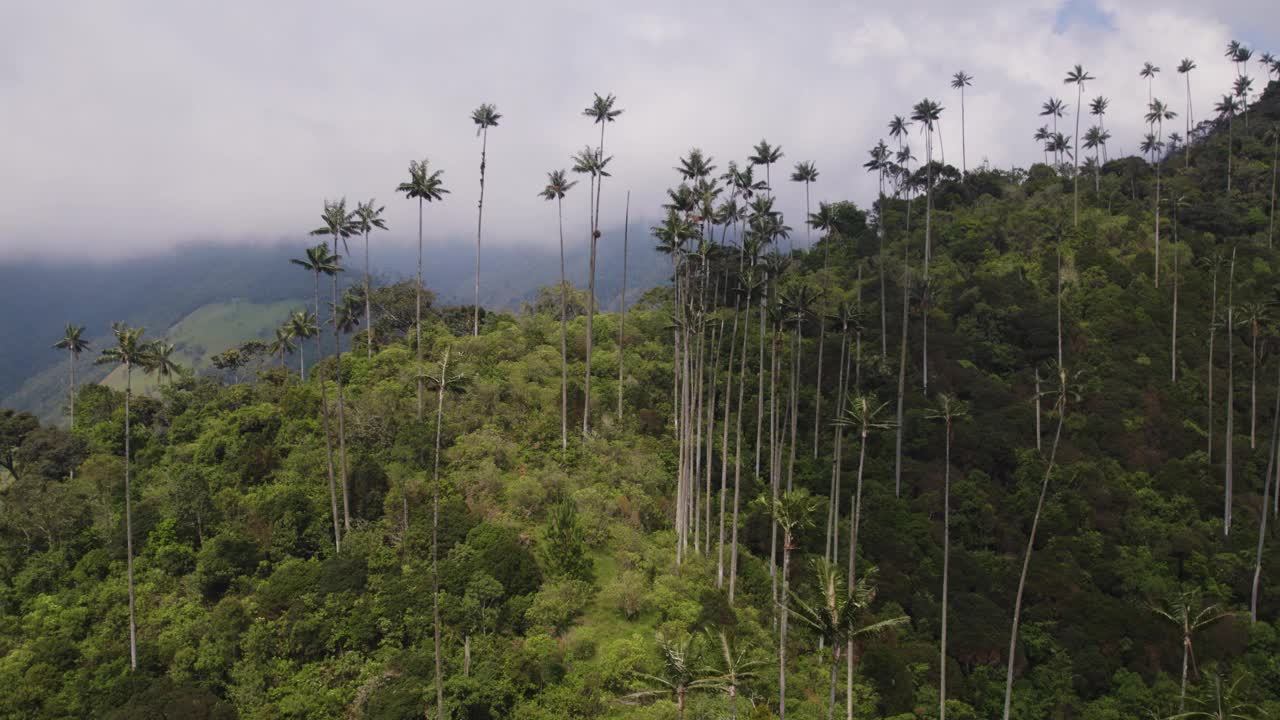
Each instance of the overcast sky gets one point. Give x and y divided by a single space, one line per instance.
127 127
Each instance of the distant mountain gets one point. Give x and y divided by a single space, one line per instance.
161 290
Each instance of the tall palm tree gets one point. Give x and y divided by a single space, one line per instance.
340 225
301 325
805 172
1094 139
1187 613
593 164
160 360
735 666
766 155
960 81
74 342
681 673
1157 113
1184 68
863 414
557 186
1054 108
1098 108
1241 88
949 411
130 351
1228 107
793 512
368 217
319 261
283 343
927 113
1077 76
485 117
1149 72
1042 135
1213 263
424 185
446 380
835 617
1062 393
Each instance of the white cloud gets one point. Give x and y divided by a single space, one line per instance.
131 127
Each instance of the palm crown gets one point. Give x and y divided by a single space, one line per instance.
1186 66
368 217
601 109
557 185
130 350
1077 76
73 340
424 183
337 222
961 79
485 117
765 154
1148 70
805 172
319 260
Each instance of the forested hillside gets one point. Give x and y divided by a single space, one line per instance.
1002 444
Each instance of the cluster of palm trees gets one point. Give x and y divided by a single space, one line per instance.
131 352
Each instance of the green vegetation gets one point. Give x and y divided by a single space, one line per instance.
994 501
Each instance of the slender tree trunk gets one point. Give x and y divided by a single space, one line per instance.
1075 179
760 384
342 432
564 353
1230 148
1187 147
73 389
1157 238
368 324
1026 560
833 506
774 474
1230 429
1058 302
417 317
591 295
946 576
964 161
128 517
1253 390
1038 433
435 531
1213 328
737 458
1173 338
782 628
328 440
795 405
622 310
724 445
1182 688
484 147
902 382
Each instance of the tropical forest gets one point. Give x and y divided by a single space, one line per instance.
997 443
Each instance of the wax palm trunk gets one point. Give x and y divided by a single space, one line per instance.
342 431
128 517
1026 561
564 353
328 440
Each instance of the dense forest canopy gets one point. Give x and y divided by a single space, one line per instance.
1002 444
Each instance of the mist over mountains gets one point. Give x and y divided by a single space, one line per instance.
156 291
